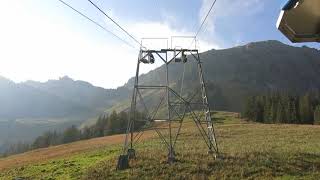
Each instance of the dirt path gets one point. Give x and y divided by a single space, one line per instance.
64 150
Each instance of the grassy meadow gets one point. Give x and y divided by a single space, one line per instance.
248 151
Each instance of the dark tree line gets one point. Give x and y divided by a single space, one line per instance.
283 107
115 123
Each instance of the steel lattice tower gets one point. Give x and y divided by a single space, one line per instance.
170 100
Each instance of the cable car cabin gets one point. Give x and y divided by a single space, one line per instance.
299 20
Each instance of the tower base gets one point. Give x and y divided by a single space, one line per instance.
131 153
123 162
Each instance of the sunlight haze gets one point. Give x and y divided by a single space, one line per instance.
43 40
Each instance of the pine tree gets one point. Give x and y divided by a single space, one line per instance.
292 115
317 115
274 111
305 110
280 114
249 108
71 134
284 103
267 110
123 121
99 127
86 133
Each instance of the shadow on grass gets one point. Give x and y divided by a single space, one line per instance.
151 165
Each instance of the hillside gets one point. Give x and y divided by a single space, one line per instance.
233 74
288 152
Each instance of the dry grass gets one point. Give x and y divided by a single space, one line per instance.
249 151
65 150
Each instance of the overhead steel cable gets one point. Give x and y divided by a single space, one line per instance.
96 23
204 20
115 23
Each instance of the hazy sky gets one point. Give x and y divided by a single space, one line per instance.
43 39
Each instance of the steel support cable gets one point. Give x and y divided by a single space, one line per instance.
96 6
182 80
203 22
96 23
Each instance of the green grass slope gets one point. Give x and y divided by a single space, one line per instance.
249 151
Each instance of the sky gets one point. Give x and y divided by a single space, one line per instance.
44 39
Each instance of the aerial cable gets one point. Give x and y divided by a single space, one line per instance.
203 22
182 79
182 82
96 23
115 23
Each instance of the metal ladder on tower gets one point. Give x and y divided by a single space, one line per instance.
212 143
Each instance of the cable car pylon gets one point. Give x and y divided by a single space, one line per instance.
199 111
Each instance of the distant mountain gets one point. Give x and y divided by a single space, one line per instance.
23 101
81 92
54 98
29 108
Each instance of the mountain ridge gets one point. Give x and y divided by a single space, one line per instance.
231 75
30 108
249 69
